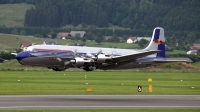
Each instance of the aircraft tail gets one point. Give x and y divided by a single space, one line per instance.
157 42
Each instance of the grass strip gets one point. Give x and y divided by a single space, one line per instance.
36 82
108 110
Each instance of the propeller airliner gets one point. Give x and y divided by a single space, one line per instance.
60 57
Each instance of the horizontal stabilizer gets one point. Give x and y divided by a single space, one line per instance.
165 60
187 60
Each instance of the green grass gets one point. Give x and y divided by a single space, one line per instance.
197 64
36 82
12 15
11 63
14 65
108 110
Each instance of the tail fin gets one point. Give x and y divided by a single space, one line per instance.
157 42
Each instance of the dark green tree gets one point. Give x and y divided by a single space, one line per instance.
114 38
22 32
142 43
77 36
15 32
53 35
198 51
99 38
191 37
176 15
84 39
90 36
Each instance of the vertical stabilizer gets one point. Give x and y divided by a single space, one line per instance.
157 42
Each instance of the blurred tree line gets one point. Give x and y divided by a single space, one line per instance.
136 14
176 15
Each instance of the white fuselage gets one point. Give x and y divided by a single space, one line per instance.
83 49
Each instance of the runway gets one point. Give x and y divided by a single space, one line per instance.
13 102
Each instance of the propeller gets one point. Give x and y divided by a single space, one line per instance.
96 56
88 54
74 60
59 59
100 51
74 56
78 61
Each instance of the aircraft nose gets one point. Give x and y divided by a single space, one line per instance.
22 55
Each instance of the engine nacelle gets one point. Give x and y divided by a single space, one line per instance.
101 58
79 62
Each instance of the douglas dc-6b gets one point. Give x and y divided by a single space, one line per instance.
60 57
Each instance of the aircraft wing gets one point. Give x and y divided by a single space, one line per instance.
133 57
121 60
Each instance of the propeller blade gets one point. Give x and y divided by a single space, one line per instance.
73 61
75 51
100 51
96 56
66 63
59 59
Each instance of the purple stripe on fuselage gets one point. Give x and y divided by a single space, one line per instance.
51 50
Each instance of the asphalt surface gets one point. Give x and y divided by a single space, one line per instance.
14 102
